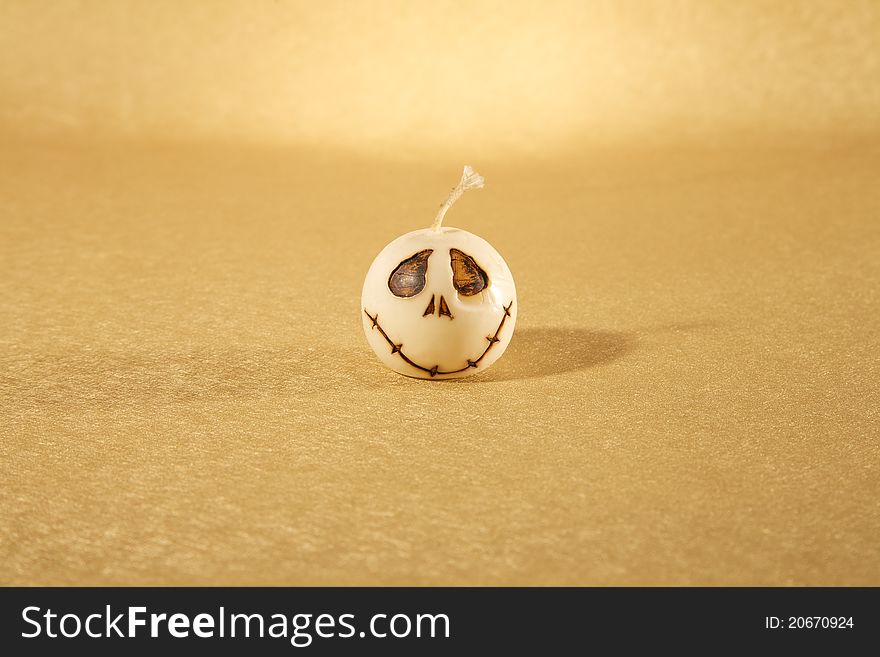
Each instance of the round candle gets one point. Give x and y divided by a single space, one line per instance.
439 303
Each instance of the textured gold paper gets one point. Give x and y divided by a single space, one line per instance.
687 195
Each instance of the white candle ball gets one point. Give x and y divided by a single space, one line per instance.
439 303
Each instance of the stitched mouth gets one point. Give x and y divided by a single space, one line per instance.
397 348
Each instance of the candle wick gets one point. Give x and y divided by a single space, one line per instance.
470 179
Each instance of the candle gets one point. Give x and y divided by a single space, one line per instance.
439 303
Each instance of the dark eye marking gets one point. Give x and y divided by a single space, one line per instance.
467 276
408 278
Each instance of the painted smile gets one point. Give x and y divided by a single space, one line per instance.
434 371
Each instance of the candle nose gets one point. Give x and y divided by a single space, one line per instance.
430 309
444 309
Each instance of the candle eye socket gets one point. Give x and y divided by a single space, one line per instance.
408 278
467 276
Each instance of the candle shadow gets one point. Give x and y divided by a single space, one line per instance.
544 351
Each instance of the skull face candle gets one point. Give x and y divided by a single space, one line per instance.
439 303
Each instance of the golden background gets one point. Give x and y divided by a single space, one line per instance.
686 192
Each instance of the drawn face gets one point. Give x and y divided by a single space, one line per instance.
439 304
